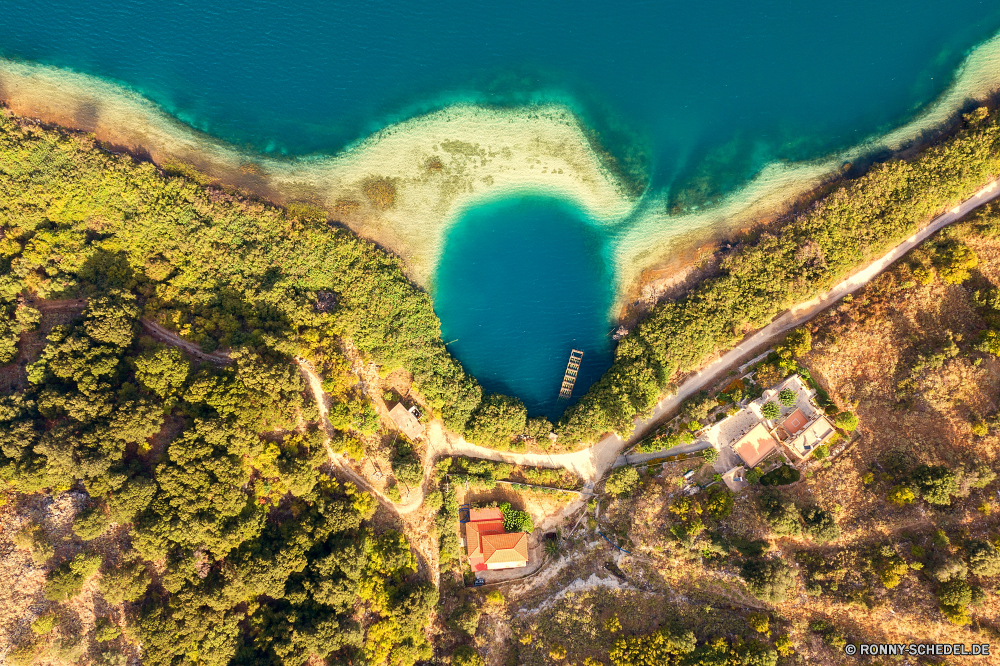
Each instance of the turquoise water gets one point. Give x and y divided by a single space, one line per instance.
524 281
702 95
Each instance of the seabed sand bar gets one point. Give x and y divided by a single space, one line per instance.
406 184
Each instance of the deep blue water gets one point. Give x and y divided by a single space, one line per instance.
524 281
705 92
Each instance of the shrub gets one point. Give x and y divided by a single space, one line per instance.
820 525
984 558
497 419
106 630
406 465
953 262
784 645
65 581
760 623
126 582
433 501
516 521
612 624
720 503
955 595
846 421
951 568
936 484
44 624
781 476
465 618
770 410
31 538
787 397
890 566
901 495
868 478
710 455
781 514
622 481
90 523
768 580
466 656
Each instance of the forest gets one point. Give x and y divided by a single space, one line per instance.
209 507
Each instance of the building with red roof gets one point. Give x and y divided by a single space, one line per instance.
489 547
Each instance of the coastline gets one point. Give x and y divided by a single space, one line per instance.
406 185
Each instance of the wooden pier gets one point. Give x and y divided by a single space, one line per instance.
572 369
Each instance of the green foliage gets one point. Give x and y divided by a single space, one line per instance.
709 455
890 566
465 618
846 421
65 581
787 397
984 558
622 481
720 503
162 371
466 656
498 419
90 523
820 525
698 406
780 476
661 647
44 624
770 410
901 495
781 513
953 262
955 595
126 582
768 580
516 521
798 342
31 538
406 464
106 630
936 484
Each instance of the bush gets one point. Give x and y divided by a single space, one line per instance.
465 618
951 568
497 419
31 538
846 421
433 501
622 481
984 558
65 581
720 503
787 397
406 465
106 630
516 521
901 495
820 525
768 580
781 514
90 523
781 476
936 484
44 624
466 656
710 455
770 410
126 582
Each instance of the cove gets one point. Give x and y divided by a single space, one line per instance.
521 282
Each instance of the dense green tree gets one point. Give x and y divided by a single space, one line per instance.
937 484
820 525
787 397
622 481
781 513
770 410
847 421
984 558
163 371
515 520
90 523
496 421
65 581
768 580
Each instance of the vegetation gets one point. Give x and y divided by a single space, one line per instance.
768 580
808 254
622 481
770 410
515 520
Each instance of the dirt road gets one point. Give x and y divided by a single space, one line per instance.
157 332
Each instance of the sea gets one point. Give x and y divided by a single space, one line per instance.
698 98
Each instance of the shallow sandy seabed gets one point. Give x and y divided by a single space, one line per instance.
445 162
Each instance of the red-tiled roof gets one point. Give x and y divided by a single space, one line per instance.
755 445
477 515
475 531
502 548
